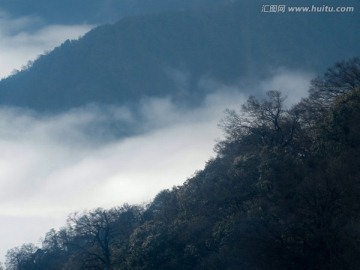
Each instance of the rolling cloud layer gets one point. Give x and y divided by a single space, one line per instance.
51 166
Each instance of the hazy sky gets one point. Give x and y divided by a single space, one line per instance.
52 166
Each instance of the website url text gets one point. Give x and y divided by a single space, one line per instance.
306 9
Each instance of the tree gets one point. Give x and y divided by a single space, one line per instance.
265 122
21 258
340 79
93 233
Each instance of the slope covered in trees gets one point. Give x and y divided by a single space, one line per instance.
283 192
175 54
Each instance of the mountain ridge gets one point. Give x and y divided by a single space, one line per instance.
170 53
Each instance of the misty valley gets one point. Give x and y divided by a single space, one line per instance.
178 135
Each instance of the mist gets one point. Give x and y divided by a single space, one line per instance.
24 39
53 165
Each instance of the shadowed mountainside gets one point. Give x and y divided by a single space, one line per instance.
175 53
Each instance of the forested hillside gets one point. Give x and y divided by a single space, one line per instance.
283 192
176 54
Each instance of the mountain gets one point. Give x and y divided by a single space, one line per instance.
174 53
282 193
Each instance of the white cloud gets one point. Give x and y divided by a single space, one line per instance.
292 83
52 166
24 39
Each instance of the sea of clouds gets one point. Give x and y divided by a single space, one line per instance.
52 165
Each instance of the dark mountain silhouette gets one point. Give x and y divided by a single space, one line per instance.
172 53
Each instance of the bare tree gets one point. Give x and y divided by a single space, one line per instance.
93 232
